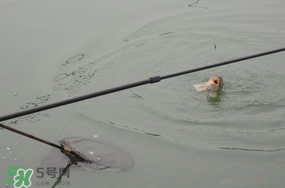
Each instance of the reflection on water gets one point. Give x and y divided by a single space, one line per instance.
214 98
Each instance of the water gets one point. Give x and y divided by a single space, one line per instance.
175 135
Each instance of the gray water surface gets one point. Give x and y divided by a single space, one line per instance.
176 136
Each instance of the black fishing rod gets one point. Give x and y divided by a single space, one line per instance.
150 80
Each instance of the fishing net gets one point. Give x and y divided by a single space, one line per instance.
98 154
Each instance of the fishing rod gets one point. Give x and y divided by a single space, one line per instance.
63 148
150 80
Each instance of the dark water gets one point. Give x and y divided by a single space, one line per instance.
175 135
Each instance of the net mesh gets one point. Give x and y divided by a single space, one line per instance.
100 154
